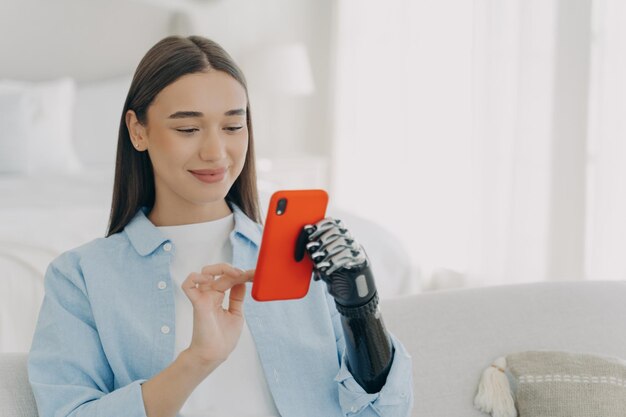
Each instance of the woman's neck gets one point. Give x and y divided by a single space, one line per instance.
176 216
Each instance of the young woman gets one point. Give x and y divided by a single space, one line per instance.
155 319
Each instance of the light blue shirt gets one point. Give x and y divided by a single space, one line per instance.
107 324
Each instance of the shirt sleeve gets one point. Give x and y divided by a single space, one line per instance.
67 368
395 399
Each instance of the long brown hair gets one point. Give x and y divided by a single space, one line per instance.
164 63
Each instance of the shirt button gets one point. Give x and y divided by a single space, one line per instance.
165 329
353 409
162 285
167 247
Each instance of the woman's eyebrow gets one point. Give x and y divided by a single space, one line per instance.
235 112
186 114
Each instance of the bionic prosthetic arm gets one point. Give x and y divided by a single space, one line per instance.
343 264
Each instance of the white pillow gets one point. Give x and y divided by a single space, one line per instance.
16 117
50 147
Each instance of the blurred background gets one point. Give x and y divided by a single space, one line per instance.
466 142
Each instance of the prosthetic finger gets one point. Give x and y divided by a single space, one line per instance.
339 261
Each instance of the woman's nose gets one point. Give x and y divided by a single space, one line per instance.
212 147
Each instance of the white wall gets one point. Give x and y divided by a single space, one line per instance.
88 40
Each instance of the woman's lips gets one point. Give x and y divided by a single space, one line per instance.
209 175
209 171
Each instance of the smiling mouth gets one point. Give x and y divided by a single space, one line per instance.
208 171
210 178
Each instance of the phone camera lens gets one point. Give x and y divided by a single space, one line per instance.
280 207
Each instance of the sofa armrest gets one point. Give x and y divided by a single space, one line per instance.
16 395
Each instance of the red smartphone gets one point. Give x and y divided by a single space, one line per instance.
279 275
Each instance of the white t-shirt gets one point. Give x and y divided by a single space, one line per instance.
240 376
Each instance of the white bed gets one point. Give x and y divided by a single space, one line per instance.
41 218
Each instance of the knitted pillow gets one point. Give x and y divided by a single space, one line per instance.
553 384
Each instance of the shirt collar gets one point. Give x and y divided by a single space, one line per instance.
146 237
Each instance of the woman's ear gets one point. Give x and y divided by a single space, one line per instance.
136 131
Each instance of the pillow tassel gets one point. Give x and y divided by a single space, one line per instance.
494 392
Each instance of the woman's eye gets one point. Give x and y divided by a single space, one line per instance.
234 128
187 131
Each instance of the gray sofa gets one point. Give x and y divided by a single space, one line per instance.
453 335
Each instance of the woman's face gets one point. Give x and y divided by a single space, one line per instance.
196 123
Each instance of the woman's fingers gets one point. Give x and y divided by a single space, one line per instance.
249 274
229 276
217 277
226 281
235 300
195 281
221 269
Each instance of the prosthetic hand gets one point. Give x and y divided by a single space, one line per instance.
343 265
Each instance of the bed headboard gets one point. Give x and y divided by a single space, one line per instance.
87 40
